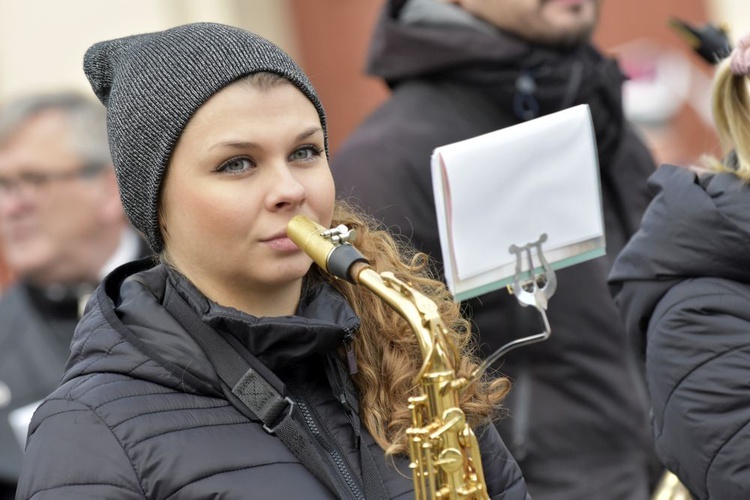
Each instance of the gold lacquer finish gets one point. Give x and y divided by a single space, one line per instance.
670 488
444 452
306 235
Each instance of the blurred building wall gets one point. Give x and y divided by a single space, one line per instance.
42 42
627 28
334 36
734 13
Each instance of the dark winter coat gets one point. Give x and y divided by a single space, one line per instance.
35 332
683 285
36 327
141 412
578 414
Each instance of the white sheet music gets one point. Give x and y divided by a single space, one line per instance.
510 186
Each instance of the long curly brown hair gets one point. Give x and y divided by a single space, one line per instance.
387 352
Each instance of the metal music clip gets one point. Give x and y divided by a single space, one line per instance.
530 289
535 290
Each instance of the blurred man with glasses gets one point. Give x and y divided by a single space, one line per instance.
62 228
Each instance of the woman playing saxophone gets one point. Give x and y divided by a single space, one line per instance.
229 366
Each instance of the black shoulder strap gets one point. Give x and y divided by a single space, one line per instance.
246 389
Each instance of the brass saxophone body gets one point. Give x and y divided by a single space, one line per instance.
670 488
444 452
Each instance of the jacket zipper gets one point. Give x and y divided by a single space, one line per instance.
351 358
334 454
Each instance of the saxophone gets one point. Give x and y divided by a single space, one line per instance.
444 453
670 488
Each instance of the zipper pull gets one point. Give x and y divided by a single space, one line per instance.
351 358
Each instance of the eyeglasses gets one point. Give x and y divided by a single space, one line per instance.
27 183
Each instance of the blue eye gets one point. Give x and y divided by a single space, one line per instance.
236 165
305 153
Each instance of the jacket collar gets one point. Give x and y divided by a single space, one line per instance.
324 320
126 325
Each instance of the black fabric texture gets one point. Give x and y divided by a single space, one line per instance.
256 393
683 286
139 387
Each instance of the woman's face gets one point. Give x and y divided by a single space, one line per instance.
248 161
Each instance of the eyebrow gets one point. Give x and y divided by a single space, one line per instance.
249 144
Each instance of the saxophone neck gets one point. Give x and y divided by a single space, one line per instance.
420 313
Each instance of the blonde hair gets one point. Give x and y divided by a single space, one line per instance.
387 351
731 111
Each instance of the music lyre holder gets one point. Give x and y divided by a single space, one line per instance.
530 289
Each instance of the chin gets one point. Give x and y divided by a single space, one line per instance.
293 272
567 28
568 36
26 265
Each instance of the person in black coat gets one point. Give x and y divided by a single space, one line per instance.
231 367
683 286
62 229
577 421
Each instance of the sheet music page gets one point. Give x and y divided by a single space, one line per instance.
508 187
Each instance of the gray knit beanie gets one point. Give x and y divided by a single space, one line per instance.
153 83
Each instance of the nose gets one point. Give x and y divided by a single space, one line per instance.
12 201
285 188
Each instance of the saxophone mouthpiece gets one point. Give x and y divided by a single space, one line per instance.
329 248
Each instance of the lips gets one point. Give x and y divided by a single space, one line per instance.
276 236
282 244
279 241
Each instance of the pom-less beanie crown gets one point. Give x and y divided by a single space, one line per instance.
153 83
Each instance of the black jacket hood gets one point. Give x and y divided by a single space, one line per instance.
426 39
403 49
416 38
696 226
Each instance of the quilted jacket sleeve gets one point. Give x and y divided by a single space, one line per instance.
71 454
501 472
698 369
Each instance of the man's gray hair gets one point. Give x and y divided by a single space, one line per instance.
87 118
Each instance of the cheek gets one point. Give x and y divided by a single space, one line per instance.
323 192
195 215
210 214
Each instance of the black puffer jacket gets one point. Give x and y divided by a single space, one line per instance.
579 401
683 285
141 412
